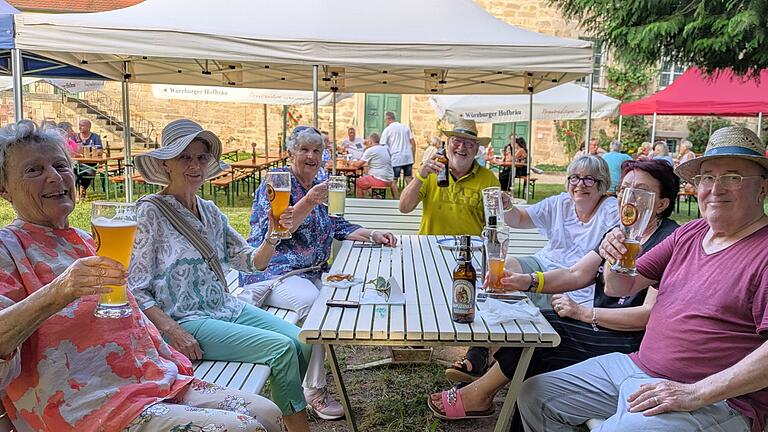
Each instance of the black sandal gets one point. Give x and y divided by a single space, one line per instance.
478 358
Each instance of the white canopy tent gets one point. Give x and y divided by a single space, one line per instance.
564 102
437 47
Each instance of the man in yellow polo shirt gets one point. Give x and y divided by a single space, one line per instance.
458 208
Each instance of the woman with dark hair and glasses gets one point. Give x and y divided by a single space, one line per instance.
611 324
573 223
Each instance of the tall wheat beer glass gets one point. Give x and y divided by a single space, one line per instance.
114 227
337 194
635 210
279 193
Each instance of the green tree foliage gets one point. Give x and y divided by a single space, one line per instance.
711 34
629 82
571 134
699 130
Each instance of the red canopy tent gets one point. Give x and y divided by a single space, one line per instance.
693 93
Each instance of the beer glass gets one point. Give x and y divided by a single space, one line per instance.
635 211
496 242
279 193
114 227
337 193
495 203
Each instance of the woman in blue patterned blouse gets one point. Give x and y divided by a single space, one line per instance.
313 232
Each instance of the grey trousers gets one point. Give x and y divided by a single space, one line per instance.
598 388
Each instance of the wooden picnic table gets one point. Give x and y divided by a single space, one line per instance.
424 271
102 160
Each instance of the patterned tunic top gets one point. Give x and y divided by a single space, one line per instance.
167 271
310 244
79 372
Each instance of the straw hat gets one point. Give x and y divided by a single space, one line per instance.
728 142
466 129
177 135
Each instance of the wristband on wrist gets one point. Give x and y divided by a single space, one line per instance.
540 286
418 176
272 242
370 236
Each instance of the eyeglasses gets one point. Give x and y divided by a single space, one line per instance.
726 181
202 158
457 141
587 180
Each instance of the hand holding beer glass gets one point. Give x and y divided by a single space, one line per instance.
337 193
279 194
114 227
496 242
635 211
495 203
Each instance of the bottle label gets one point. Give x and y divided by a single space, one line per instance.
463 296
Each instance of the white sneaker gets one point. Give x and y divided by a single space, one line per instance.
323 404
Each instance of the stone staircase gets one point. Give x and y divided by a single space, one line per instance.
107 113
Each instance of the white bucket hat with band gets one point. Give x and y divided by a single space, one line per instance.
466 129
177 135
728 142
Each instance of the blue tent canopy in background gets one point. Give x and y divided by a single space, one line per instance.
34 65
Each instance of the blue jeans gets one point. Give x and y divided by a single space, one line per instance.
562 400
257 336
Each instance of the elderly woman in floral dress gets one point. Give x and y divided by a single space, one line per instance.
62 368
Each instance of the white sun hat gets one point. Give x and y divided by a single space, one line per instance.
177 135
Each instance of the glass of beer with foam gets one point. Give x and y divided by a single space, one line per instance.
635 211
337 193
279 194
496 242
114 226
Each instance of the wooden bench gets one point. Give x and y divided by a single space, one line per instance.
385 215
227 180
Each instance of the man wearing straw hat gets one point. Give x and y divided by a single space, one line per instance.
458 208
701 365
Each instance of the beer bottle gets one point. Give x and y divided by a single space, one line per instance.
442 176
464 285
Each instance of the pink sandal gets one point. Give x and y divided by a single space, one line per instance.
454 407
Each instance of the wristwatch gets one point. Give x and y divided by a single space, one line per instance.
534 282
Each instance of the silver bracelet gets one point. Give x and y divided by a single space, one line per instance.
594 319
269 242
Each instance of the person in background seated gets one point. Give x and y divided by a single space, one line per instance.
612 324
86 172
660 151
521 157
379 171
61 367
615 158
506 179
313 231
431 150
458 208
644 151
686 152
573 223
353 145
701 364
69 133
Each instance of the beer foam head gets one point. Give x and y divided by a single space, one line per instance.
112 223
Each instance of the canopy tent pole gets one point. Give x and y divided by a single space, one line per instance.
266 134
127 136
588 133
17 68
333 132
285 128
760 125
530 145
621 117
315 101
653 129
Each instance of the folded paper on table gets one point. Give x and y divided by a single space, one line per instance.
499 312
372 297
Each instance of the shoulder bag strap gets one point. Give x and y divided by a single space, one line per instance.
194 237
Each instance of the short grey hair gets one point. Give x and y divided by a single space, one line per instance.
26 132
686 144
374 137
595 166
304 135
436 140
390 115
615 146
664 148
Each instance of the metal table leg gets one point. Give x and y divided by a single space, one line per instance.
502 424
343 389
